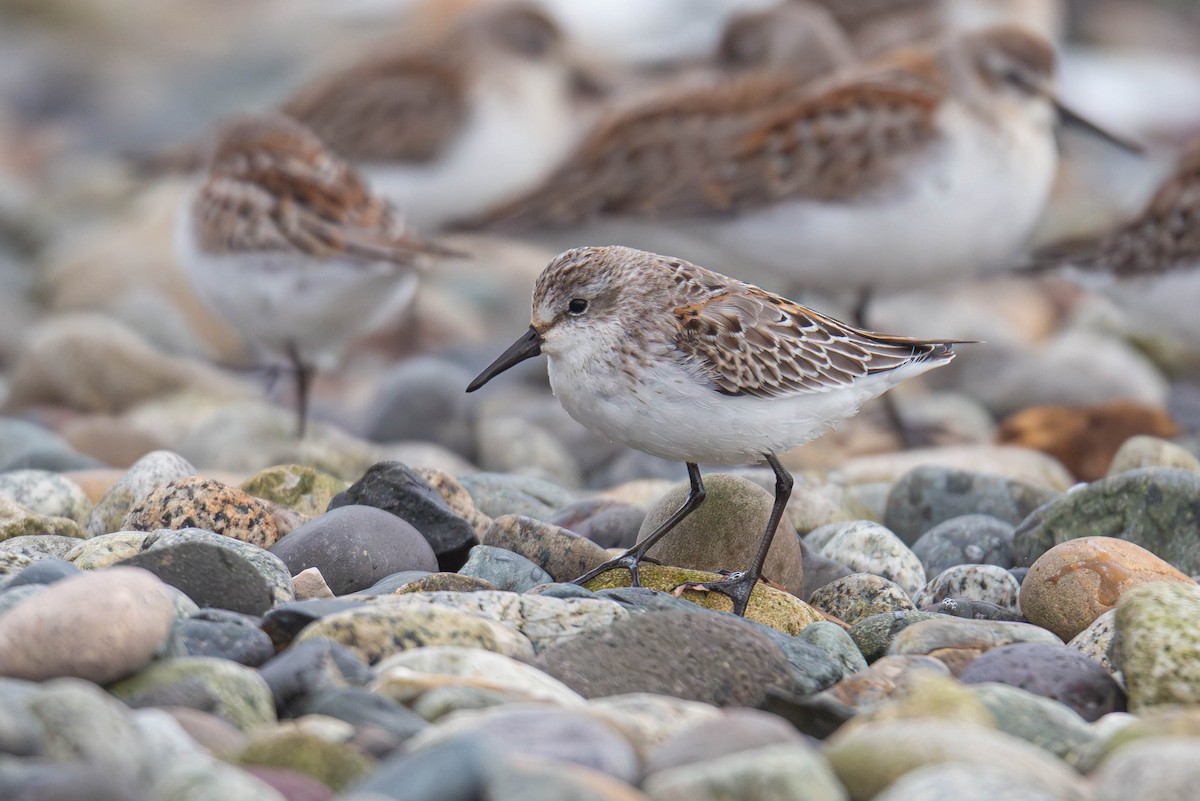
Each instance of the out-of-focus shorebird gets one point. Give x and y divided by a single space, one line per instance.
285 241
1149 265
927 165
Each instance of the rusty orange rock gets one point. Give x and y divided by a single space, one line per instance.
1075 582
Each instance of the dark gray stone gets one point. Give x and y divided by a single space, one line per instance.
497 494
43 571
873 635
396 488
608 523
354 547
308 668
969 539
210 575
283 623
1054 671
696 656
456 770
361 707
423 399
228 635
929 495
389 584
36 781
819 570
504 569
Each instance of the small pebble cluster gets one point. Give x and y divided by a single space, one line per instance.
933 634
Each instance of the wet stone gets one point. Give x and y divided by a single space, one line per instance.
354 547
969 539
1057 672
401 491
929 495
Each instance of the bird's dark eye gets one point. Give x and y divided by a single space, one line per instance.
577 306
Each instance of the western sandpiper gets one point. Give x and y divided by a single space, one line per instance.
462 121
928 165
286 242
686 364
1150 265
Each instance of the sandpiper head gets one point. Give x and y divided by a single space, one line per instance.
802 38
584 297
1015 65
521 36
1012 60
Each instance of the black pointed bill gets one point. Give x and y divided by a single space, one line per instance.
1070 116
526 347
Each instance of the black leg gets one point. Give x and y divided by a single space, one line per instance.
304 375
637 553
739 585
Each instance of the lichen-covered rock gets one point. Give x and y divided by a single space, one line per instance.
1159 644
298 487
860 595
1157 508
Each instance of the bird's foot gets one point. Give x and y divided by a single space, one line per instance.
737 587
628 560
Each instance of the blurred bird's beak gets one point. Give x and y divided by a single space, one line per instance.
1068 116
526 347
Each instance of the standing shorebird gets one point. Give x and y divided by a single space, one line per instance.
929 165
1150 265
462 121
284 241
688 365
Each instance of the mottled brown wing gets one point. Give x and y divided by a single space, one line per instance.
1164 237
750 342
321 213
385 109
738 147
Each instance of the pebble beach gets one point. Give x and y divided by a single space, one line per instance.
198 605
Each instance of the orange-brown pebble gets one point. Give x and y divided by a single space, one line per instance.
1084 438
1075 582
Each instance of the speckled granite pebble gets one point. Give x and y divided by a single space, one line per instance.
46 493
198 502
986 583
143 477
860 595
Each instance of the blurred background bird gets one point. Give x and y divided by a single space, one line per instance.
919 148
